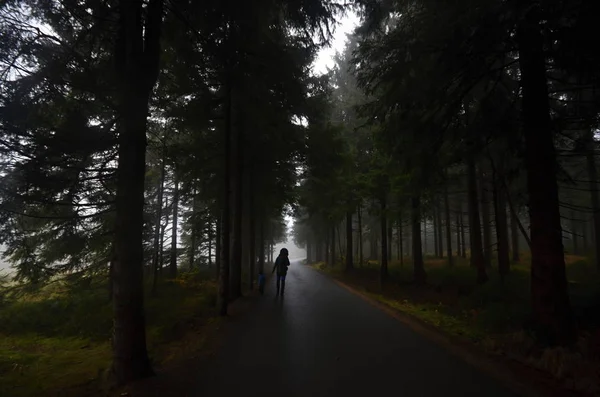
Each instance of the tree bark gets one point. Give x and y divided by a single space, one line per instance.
390 238
173 261
261 247
193 233
252 234
360 236
333 246
499 196
440 230
448 226
383 269
218 225
463 242
157 230
137 55
485 219
477 260
436 243
349 259
593 177
223 294
552 319
574 231
514 235
237 191
417 253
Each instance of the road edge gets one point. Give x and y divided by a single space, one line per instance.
482 361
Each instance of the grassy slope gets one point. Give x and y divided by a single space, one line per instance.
56 341
491 316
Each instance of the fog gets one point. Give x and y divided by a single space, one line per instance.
295 252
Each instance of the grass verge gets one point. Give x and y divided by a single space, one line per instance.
492 317
55 341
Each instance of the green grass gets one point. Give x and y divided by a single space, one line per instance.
57 339
453 301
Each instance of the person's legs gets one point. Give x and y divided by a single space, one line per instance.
282 284
278 282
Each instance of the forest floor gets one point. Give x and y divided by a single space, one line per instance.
492 317
55 340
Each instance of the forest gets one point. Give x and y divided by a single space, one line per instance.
152 153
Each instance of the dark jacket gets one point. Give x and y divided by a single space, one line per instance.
281 264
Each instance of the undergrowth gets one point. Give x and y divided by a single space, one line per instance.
493 315
56 339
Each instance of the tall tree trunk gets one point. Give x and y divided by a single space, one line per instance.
349 259
173 261
485 219
574 231
383 269
440 230
163 232
552 316
417 254
223 295
463 241
193 233
448 226
593 176
360 236
477 260
261 247
218 225
425 236
390 237
237 191
436 243
209 239
458 239
252 234
333 255
514 235
158 227
499 196
137 55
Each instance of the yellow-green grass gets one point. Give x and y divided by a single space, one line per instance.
56 340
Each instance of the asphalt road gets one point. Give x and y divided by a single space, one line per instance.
321 340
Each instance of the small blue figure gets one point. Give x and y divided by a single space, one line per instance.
261 283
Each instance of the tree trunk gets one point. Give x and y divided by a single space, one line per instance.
448 226
252 234
237 191
193 233
261 247
173 261
390 238
223 295
349 259
360 236
425 236
440 230
158 227
477 260
218 225
593 177
574 231
333 246
209 239
137 55
552 316
417 254
436 243
514 235
485 219
499 196
383 269
458 239
463 241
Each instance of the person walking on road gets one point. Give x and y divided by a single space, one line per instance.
281 265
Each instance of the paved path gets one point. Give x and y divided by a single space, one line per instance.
321 340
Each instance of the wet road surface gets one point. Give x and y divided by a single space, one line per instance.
321 340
